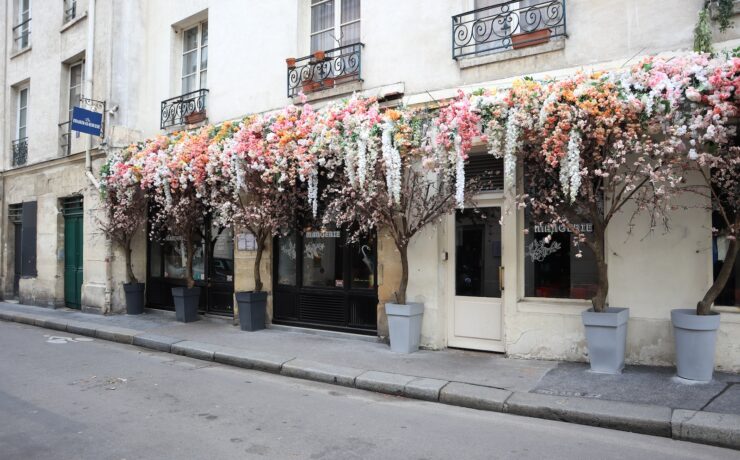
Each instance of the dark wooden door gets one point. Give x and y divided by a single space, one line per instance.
73 249
18 256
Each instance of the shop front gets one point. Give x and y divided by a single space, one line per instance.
213 271
323 281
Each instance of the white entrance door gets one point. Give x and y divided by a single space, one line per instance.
476 316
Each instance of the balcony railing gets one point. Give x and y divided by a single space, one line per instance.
338 66
188 109
22 35
20 151
506 26
65 139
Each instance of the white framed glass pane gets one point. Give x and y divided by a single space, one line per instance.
351 33
204 34
21 132
190 39
24 97
203 79
188 84
323 41
322 16
75 75
350 10
189 63
204 58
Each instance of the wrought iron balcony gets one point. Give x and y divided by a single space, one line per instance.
20 151
506 26
22 35
316 72
65 139
188 109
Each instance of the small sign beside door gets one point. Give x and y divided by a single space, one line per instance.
246 242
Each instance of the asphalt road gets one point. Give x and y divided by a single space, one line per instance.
69 397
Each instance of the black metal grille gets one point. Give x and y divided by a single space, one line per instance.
20 151
15 213
22 34
320 309
338 66
508 25
72 206
188 109
65 138
486 170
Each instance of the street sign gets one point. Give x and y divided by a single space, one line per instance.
87 121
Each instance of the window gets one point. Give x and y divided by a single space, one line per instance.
76 79
478 252
730 294
554 267
22 114
70 10
24 216
22 30
195 58
326 32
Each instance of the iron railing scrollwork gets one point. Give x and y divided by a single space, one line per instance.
188 108
21 35
507 25
340 65
20 151
65 138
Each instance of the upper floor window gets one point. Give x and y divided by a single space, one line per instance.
195 58
70 10
22 115
326 31
76 79
22 30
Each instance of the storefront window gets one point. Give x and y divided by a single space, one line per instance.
730 295
478 252
175 259
362 263
287 260
322 259
222 261
554 267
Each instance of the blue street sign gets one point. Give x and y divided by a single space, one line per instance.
87 121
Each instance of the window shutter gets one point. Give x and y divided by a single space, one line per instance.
28 239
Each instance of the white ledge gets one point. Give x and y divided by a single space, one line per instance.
19 52
345 88
555 44
72 22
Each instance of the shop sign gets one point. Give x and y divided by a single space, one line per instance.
562 228
329 234
87 121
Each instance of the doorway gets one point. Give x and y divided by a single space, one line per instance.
73 212
476 317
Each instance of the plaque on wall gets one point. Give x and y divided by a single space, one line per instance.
246 242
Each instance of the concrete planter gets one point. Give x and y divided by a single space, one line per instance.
696 338
606 335
404 326
134 298
252 308
186 303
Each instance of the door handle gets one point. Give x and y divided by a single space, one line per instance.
501 277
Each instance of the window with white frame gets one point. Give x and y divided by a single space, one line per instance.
76 80
22 114
195 58
70 10
328 33
22 30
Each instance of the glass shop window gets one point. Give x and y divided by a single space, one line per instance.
554 267
174 254
322 259
730 295
362 263
478 252
287 254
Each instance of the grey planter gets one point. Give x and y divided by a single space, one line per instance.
606 335
252 308
134 298
186 303
696 338
404 326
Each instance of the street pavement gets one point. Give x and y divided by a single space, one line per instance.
64 396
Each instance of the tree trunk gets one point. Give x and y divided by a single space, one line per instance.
189 261
257 263
705 305
598 247
130 277
401 293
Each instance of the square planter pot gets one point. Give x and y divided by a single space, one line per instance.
252 309
404 326
606 335
696 339
134 298
186 303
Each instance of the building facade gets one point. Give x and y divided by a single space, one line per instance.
166 65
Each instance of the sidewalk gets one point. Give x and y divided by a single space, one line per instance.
643 399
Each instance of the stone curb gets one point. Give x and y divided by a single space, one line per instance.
695 426
706 427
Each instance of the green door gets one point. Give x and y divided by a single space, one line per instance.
73 252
